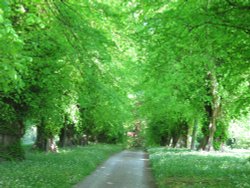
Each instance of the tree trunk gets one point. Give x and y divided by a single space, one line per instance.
62 137
41 138
51 145
194 134
66 135
184 135
10 141
45 140
212 129
164 140
203 143
175 137
81 139
10 147
215 110
168 140
12 131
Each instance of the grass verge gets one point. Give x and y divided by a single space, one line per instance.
62 169
178 168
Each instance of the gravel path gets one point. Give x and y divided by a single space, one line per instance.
128 169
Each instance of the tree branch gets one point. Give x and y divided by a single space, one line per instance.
244 29
235 5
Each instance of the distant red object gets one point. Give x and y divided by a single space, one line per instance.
131 134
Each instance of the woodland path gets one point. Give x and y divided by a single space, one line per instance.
127 169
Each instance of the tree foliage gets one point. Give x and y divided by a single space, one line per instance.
61 70
70 66
195 51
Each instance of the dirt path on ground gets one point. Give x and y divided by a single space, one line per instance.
128 169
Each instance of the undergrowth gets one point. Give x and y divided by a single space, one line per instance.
53 170
178 168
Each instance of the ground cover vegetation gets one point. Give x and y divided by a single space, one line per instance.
62 169
186 168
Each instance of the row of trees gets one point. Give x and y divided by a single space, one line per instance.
60 69
85 69
195 57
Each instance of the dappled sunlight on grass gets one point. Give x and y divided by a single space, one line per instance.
64 151
186 168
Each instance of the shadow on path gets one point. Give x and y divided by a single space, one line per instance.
128 169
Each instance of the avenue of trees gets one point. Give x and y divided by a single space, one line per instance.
61 70
92 70
196 68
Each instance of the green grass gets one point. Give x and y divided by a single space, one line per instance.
178 168
53 170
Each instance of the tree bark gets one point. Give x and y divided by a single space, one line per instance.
12 131
215 111
184 134
212 129
66 136
10 141
168 140
41 138
194 135
205 127
45 140
175 137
